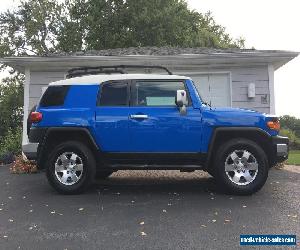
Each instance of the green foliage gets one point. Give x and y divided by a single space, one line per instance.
32 28
294 140
11 104
11 115
291 123
41 27
131 23
294 158
11 142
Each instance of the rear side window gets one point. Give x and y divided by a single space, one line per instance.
113 94
54 96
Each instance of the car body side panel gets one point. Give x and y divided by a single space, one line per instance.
78 109
165 130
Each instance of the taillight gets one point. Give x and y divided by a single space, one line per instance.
275 125
36 117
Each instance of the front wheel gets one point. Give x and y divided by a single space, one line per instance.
71 167
241 166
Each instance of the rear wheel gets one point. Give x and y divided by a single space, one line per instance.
241 166
71 167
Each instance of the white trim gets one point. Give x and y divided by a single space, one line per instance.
97 79
26 105
271 88
230 86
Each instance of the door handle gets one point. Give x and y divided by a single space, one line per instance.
136 117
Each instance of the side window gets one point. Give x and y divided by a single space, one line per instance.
54 96
156 93
113 94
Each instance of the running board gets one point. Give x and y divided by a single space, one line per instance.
182 168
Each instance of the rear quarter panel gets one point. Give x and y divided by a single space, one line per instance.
78 109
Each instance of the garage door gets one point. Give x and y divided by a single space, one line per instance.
214 89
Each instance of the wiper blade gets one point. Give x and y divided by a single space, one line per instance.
207 104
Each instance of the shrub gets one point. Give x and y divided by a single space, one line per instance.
10 145
294 140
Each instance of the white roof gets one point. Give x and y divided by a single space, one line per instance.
97 79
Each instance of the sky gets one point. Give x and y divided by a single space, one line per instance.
265 24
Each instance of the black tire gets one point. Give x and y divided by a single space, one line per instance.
88 162
101 175
240 145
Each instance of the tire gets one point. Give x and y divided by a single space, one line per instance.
101 175
241 166
71 167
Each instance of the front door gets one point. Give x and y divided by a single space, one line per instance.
155 124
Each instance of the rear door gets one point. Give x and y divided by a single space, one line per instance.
112 116
155 124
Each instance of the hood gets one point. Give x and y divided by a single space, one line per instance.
235 117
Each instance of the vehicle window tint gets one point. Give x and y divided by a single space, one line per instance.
157 93
54 96
113 94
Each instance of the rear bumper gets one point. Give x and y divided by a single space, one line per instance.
281 147
30 150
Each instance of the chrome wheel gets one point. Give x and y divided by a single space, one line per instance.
241 167
68 168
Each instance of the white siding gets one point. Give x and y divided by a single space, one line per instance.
38 80
241 77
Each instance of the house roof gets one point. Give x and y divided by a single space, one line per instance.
153 56
165 51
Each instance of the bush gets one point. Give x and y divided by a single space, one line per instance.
294 140
10 145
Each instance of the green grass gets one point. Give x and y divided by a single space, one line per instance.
294 157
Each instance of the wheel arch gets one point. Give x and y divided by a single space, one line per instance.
223 134
57 135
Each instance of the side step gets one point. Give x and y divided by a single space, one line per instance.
182 168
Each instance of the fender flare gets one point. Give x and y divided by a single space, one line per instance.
219 130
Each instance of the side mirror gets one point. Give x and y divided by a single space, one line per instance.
181 101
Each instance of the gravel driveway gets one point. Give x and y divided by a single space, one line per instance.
144 210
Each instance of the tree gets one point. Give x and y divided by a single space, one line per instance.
34 28
11 103
41 27
291 123
131 23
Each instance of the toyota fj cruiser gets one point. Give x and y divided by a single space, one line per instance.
101 120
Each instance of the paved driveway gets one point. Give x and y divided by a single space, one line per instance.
143 210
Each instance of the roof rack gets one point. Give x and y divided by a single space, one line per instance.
110 70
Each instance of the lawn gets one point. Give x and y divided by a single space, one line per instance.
294 157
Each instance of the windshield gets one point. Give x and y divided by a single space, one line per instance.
203 101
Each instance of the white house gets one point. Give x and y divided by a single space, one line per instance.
231 77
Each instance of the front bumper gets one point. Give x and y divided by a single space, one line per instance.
281 147
30 150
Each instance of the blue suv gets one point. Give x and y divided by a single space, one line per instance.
97 122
